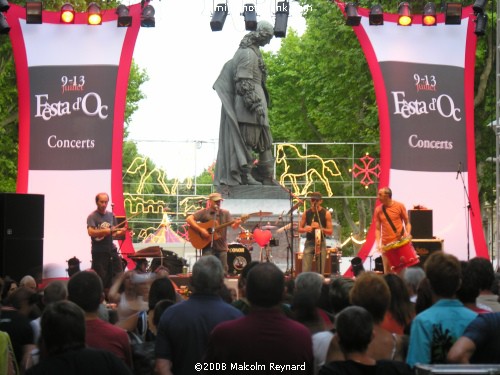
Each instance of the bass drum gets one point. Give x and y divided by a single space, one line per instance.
238 257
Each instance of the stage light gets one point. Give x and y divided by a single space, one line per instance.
429 15
481 24
33 12
124 19
376 16
404 12
4 6
281 19
250 17
4 26
148 16
479 6
94 16
218 17
353 18
67 13
453 13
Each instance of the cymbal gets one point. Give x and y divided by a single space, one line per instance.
261 213
265 227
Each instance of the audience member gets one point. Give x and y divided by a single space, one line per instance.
485 277
8 364
305 301
63 348
338 293
401 310
86 290
54 291
371 291
14 320
265 335
185 327
469 289
425 298
480 342
412 277
29 282
129 291
9 285
434 330
161 289
355 332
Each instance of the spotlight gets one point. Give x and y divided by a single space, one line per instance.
124 19
250 16
481 24
357 266
94 16
453 13
4 26
148 16
479 6
281 19
353 18
4 6
429 15
376 16
405 17
218 17
67 13
33 12
379 265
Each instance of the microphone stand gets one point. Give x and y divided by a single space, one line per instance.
469 210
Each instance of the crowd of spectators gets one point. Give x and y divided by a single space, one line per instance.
446 312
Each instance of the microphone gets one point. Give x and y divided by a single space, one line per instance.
279 218
459 170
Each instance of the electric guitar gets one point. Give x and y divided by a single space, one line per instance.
199 242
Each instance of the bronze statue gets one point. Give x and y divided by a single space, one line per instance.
244 127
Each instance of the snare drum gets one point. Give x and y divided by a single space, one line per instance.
238 257
400 255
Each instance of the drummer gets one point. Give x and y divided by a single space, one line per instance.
385 232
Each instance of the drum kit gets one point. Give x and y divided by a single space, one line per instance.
239 255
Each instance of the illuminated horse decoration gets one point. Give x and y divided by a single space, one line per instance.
139 165
327 170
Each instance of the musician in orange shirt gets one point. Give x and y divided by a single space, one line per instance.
212 240
391 223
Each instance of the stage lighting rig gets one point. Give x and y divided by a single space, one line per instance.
124 18
376 16
33 12
219 17
67 13
281 18
250 17
404 11
429 15
352 16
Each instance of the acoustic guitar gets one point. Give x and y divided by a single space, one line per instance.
199 242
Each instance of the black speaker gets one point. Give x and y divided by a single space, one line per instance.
421 223
21 235
21 257
424 248
21 215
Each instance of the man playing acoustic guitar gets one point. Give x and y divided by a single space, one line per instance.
208 229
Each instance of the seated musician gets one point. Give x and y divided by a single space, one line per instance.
391 223
208 229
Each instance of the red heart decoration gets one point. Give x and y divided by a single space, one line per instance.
262 237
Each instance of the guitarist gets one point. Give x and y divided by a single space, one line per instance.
101 227
217 241
316 223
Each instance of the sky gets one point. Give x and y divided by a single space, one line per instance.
177 125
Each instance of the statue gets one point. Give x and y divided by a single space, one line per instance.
244 127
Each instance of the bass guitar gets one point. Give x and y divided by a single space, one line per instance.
211 226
